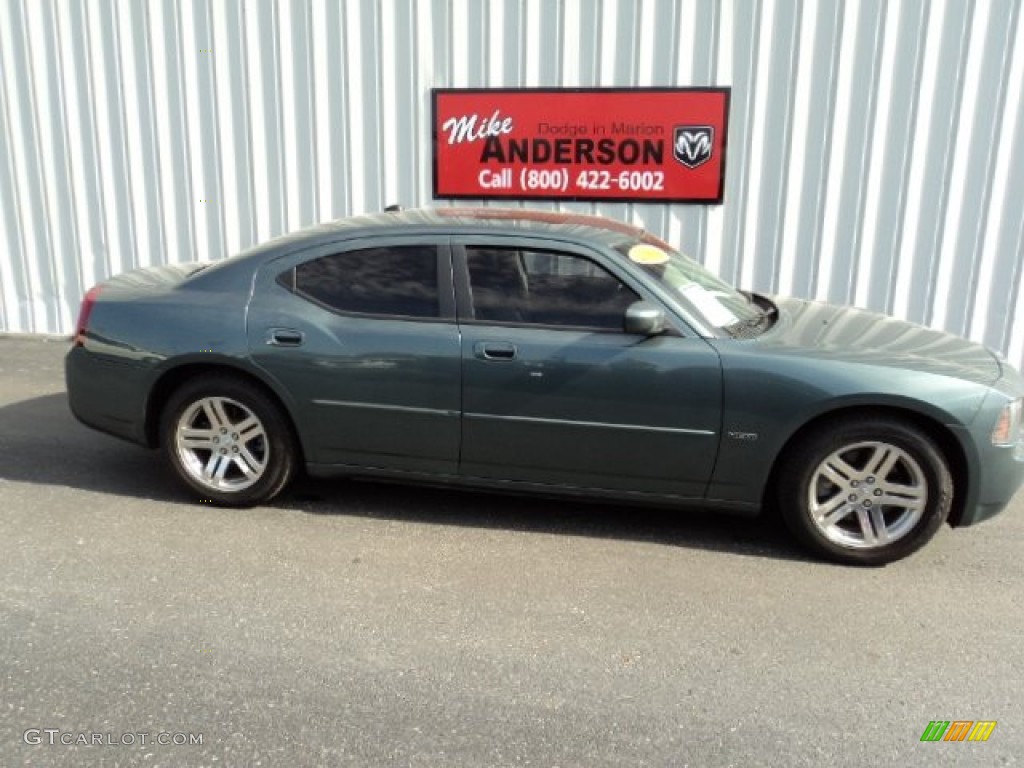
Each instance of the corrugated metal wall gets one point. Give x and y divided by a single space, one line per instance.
876 149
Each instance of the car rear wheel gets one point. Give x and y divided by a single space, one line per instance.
228 441
865 491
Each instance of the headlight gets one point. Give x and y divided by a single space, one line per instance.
1007 431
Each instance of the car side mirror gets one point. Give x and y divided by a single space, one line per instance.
644 319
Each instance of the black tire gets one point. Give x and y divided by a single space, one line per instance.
197 439
838 509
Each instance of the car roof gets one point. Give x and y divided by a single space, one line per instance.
562 222
558 224
550 222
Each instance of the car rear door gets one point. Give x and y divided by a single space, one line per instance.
555 393
362 335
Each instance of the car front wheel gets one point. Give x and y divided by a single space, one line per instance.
865 491
228 441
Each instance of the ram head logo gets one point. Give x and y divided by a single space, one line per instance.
692 144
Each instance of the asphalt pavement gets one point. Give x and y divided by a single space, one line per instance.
352 624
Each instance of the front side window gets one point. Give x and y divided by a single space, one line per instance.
394 280
545 288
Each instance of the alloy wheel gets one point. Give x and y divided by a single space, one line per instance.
867 495
221 444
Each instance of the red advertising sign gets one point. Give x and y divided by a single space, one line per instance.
638 144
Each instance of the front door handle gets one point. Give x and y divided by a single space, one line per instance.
495 350
285 337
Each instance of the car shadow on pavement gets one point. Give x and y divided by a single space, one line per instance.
689 528
41 443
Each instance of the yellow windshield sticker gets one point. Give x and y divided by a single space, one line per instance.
647 254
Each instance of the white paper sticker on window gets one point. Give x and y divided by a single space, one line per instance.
707 304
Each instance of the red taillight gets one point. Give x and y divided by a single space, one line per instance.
83 315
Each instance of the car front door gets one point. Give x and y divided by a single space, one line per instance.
362 335
556 393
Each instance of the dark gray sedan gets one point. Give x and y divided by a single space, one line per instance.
553 353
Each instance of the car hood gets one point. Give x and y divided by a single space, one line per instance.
860 336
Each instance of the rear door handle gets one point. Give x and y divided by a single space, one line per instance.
285 337
495 350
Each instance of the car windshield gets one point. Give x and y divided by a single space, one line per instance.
712 299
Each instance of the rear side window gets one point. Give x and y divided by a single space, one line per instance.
395 280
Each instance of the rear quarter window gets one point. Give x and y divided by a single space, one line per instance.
398 281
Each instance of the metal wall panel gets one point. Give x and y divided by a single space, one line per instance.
876 149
